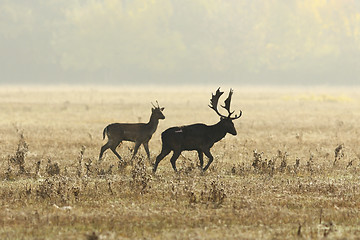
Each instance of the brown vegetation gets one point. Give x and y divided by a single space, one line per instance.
291 172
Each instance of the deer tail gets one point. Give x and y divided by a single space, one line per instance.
105 132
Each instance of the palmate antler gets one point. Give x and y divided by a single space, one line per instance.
227 106
214 102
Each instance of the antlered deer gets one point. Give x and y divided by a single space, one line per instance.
198 137
140 133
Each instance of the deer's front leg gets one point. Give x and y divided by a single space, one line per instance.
211 158
146 147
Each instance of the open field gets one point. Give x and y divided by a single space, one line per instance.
291 172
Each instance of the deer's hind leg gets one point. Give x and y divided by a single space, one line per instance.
173 159
201 158
164 152
113 149
103 149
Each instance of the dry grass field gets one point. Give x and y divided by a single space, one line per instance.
291 172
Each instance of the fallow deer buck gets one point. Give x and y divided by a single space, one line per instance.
198 137
140 133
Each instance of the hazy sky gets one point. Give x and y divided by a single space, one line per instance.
180 41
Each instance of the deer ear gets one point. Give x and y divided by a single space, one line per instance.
152 109
162 109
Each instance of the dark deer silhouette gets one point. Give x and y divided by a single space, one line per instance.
140 133
198 137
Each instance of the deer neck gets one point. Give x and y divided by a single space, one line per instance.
217 131
153 123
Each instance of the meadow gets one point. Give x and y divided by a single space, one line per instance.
292 172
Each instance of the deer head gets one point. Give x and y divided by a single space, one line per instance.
226 120
157 111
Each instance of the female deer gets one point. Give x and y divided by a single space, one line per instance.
140 133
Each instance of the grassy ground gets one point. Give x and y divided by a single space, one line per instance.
291 172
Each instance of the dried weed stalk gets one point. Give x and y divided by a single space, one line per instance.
297 165
310 164
283 157
52 168
18 158
213 194
263 165
140 177
37 169
339 153
80 160
257 162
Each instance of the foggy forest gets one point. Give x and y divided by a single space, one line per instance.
188 41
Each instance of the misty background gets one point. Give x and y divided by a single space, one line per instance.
180 42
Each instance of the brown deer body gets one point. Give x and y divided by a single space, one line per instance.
140 133
198 137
